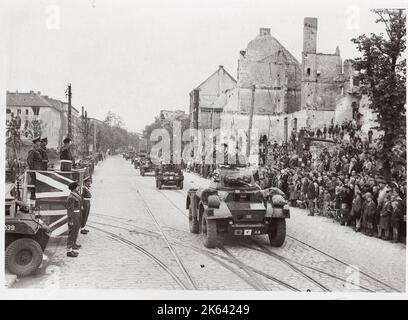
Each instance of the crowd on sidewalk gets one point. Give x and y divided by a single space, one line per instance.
342 180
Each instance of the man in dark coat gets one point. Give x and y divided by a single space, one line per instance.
34 159
312 193
43 151
66 153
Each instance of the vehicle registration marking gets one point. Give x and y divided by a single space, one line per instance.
247 232
10 227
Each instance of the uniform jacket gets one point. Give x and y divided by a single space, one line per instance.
86 193
66 153
74 202
34 159
44 156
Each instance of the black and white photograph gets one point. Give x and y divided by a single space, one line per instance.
228 148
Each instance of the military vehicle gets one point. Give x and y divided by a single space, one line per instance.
233 204
26 237
35 211
147 165
169 174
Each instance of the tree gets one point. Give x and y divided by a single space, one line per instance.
382 76
84 129
111 134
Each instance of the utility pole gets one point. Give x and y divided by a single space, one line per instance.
251 116
69 111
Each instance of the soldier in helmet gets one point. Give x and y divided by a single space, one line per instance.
74 219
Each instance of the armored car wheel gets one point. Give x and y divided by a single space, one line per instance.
192 221
23 256
277 232
209 230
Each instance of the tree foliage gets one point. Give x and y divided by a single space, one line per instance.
382 75
112 134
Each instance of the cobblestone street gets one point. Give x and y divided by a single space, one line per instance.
127 249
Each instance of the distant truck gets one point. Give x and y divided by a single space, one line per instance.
233 204
169 174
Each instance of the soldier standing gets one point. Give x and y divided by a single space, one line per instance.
65 153
86 197
34 159
43 151
74 219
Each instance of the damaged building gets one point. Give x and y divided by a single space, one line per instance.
285 93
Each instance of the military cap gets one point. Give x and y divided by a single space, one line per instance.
67 139
44 139
73 185
36 139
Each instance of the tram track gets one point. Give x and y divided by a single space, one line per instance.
224 261
290 263
140 249
344 263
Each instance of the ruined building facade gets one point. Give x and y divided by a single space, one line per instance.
323 75
274 71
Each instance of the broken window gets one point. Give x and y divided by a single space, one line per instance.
308 71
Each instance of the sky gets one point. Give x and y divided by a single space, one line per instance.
136 58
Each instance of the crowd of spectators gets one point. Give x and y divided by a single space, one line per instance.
341 178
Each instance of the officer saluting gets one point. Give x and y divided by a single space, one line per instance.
86 197
74 219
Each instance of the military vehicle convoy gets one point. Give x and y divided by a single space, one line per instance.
146 165
169 174
233 204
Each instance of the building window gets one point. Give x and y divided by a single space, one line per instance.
36 110
26 111
308 71
8 111
18 111
318 73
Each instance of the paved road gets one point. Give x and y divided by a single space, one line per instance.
140 239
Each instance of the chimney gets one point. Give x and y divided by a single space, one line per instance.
221 66
264 31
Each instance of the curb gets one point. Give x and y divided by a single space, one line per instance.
10 279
